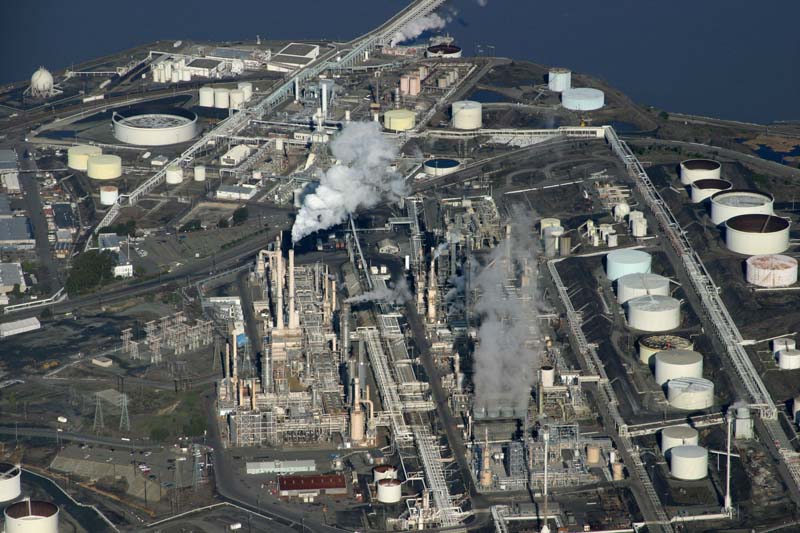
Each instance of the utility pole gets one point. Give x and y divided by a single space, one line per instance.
98 413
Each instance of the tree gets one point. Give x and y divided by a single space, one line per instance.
663 115
90 269
240 216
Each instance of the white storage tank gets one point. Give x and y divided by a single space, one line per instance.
174 175
690 394
108 195
548 376
789 359
784 343
689 462
222 98
550 238
653 313
389 491
771 270
186 75
176 76
247 89
757 234
10 486
678 436
440 166
583 99
78 156
467 115
735 202
399 120
651 345
236 98
672 364
546 223
699 169
639 227
635 285
199 173
559 79
622 262
206 98
31 516
104 167
384 472
703 189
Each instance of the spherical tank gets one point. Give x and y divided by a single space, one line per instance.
222 98
31 516
689 462
757 234
153 126
206 97
635 285
649 346
789 359
559 79
247 89
399 120
583 99
735 202
174 175
691 394
467 115
389 491
236 98
653 313
440 167
703 189
104 167
108 195
78 156
678 436
384 472
699 169
199 173
41 82
672 364
10 487
622 262
771 270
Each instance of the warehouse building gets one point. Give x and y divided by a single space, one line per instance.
236 192
9 171
5 207
293 56
309 487
281 467
15 234
10 275
19 326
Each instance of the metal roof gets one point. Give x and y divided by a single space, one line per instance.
316 482
15 229
8 160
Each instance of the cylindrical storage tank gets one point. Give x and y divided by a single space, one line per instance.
783 343
186 75
672 364
564 245
176 76
440 167
78 156
222 98
583 99
467 115
592 455
548 376
690 394
236 99
678 436
689 463
735 202
617 471
297 197
639 227
559 79
399 120
108 195
635 285
704 189
621 210
206 97
550 238
757 234
546 223
654 313
622 262
383 472
247 89
29 516
789 359
699 169
389 491
649 346
199 173
10 486
771 270
104 167
442 82
174 175
154 126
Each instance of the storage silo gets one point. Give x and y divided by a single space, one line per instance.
222 98
583 99
78 156
703 189
672 364
639 227
175 76
678 436
641 284
399 120
735 202
772 270
757 234
31 516
651 345
383 472
789 359
389 491
559 79
174 175
440 166
784 343
108 195
186 75
690 394
206 97
699 169
547 222
653 313
199 173
247 89
689 463
622 262
10 485
467 115
236 99
550 238
104 167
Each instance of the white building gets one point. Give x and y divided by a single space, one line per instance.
110 242
10 275
236 192
293 56
281 467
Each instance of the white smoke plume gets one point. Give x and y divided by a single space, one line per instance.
361 178
509 348
417 27
396 293
483 3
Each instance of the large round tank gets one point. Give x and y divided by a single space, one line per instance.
691 394
467 115
559 79
672 364
31 516
551 235
757 234
247 89
651 345
622 262
689 462
546 223
440 167
678 436
735 202
206 97
222 98
104 167
771 270
653 313
78 156
384 472
236 98
199 173
789 359
174 175
389 491
699 169
399 120
449 51
10 487
703 189
548 373
634 285
108 195
154 125
583 99
784 343
639 227
41 83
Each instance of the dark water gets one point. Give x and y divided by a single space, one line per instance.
728 58
487 97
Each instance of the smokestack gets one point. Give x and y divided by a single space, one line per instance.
356 395
293 319
432 291
279 305
226 367
324 100
344 329
235 372
253 394
333 295
296 89
240 387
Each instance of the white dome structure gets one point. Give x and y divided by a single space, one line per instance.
690 394
688 462
772 270
42 83
622 262
653 313
678 436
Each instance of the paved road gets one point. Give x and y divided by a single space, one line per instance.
49 433
33 205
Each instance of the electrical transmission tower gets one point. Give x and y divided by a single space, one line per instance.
98 413
124 421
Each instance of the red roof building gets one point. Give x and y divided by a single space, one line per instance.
310 486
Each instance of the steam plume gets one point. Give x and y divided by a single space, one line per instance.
415 28
396 293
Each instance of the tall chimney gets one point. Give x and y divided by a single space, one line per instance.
292 314
235 372
333 295
279 288
226 366
253 394
324 100
344 329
